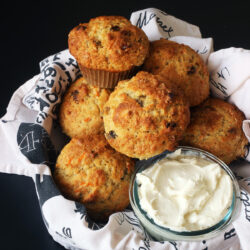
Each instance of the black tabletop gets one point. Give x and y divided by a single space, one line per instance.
32 31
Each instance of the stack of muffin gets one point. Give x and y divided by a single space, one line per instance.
135 100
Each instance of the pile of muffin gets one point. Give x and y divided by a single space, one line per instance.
135 99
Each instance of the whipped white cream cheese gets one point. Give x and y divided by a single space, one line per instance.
185 192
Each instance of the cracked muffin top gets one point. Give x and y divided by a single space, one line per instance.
89 171
145 116
81 109
216 126
109 43
182 65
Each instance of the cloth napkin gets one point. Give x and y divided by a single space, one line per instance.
230 80
31 140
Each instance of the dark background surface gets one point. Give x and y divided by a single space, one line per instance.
31 32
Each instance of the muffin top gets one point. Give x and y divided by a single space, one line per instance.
182 65
81 109
89 171
145 116
108 43
216 126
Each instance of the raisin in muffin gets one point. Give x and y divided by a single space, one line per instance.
89 171
81 109
145 116
108 49
216 126
182 65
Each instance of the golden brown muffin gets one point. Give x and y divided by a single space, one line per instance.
81 109
216 126
89 171
143 116
108 49
182 65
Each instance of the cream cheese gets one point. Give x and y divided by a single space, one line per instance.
185 192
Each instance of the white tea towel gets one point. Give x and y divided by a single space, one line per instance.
31 139
157 24
230 80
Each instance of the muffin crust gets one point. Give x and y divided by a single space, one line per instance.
216 126
145 116
108 43
89 171
182 65
81 109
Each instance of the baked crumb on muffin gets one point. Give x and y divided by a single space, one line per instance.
89 171
145 116
216 126
182 65
81 109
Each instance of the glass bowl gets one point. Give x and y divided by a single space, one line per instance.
163 233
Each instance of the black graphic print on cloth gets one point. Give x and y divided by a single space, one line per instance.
145 17
174 244
247 180
229 234
46 188
221 76
83 212
247 150
66 234
136 225
204 243
246 202
57 72
202 51
34 142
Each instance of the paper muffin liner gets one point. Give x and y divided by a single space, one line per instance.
106 79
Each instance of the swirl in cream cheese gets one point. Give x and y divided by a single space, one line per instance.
185 192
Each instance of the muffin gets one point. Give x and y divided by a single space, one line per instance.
81 109
144 116
182 65
216 126
108 49
89 171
